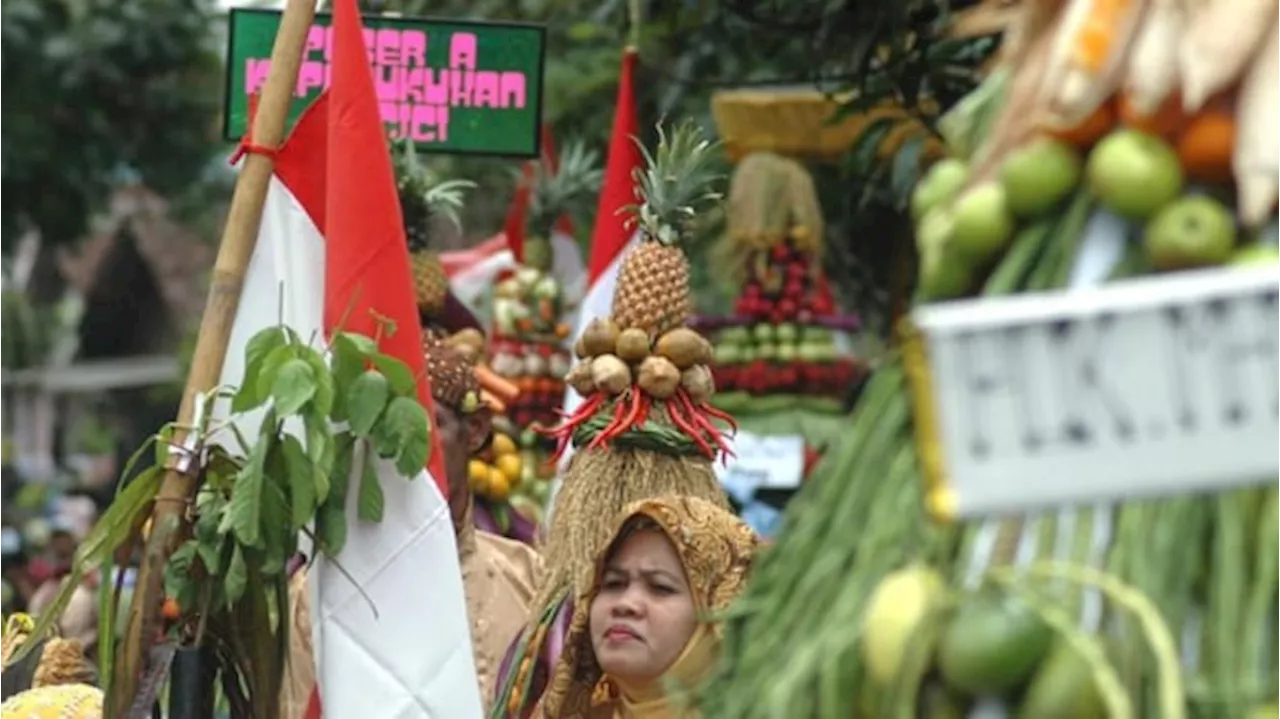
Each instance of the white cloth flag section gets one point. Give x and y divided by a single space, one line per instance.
1146 387
395 644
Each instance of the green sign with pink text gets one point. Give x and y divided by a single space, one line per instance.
451 86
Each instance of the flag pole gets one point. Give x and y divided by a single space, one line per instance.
239 237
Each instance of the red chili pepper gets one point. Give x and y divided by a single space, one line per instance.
685 426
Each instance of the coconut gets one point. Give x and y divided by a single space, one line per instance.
658 377
698 382
580 378
633 344
610 374
684 347
600 337
580 349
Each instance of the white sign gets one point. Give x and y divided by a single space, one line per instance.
1151 386
762 462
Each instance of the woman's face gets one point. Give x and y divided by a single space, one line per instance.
644 614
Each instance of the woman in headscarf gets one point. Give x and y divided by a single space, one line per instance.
645 632
52 680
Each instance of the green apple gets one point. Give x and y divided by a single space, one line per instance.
1134 174
818 335
934 229
983 225
735 335
942 276
1038 176
728 354
1194 231
1259 254
763 333
766 351
939 186
786 333
785 353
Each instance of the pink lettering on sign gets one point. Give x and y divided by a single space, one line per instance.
414 99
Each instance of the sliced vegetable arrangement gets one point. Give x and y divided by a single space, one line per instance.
1156 608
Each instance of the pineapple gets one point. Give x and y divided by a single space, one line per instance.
653 286
556 193
423 197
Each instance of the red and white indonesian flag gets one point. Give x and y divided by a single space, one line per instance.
396 642
613 237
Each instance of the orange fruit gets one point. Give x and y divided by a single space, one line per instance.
170 610
1093 128
503 444
499 488
510 466
1206 145
477 475
1165 122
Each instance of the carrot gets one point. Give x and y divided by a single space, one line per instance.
1206 146
498 386
495 404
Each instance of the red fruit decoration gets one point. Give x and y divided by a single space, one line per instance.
784 347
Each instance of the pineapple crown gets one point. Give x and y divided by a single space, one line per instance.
422 192
574 180
676 182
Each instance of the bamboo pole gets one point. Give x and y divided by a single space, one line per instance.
239 237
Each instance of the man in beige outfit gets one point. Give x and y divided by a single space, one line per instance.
498 574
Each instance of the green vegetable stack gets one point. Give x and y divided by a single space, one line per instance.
1155 608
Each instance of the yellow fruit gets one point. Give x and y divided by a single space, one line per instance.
510 466
499 488
477 475
502 444
896 610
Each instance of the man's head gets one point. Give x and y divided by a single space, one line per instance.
463 420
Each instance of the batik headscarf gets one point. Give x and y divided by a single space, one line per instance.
715 548
61 679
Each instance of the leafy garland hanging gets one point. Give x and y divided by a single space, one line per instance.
327 416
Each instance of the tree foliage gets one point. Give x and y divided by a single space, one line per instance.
866 52
97 91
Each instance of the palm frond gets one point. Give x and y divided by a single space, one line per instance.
677 181
575 181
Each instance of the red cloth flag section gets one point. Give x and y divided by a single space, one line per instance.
331 256
613 235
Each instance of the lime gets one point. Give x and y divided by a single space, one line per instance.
992 645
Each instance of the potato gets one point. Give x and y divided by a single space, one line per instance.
683 347
581 379
659 377
633 345
600 337
698 382
610 374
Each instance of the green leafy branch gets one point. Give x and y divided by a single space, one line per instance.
328 416
327 420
